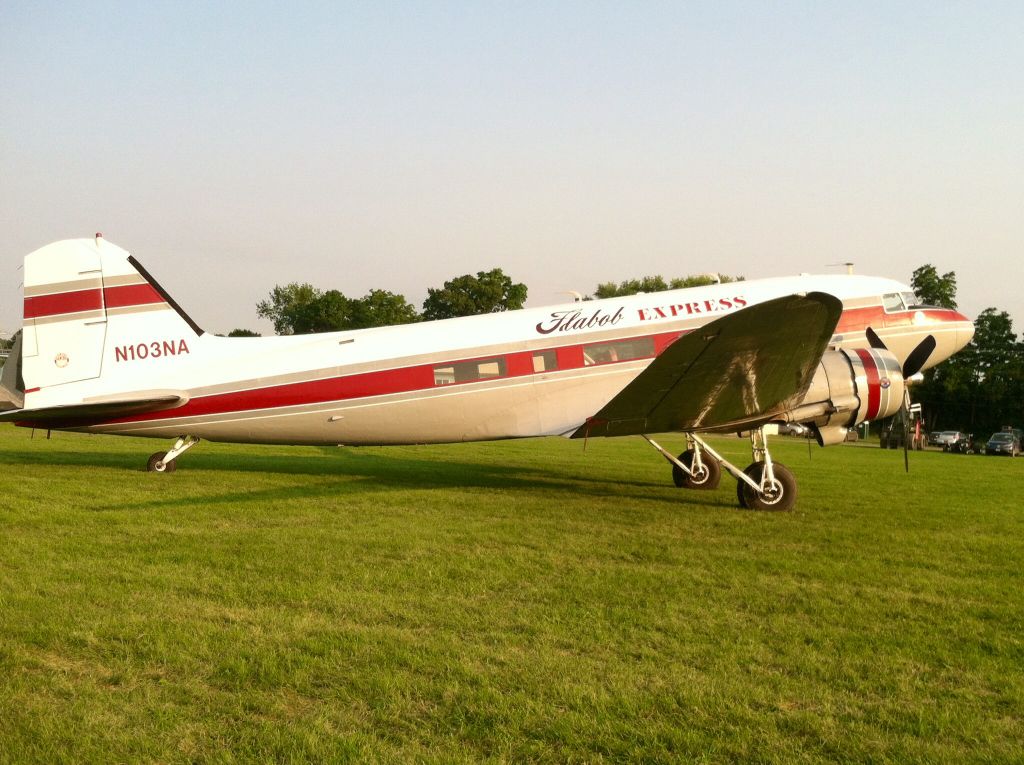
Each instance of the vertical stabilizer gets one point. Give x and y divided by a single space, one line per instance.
88 306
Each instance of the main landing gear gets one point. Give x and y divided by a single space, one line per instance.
764 485
167 462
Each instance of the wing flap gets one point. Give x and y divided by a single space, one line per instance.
737 370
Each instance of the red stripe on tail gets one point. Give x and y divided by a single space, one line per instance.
131 294
63 302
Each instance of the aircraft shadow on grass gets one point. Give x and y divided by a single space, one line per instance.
359 471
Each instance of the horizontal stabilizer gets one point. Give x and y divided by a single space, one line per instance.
94 411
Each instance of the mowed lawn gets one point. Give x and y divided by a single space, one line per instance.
509 602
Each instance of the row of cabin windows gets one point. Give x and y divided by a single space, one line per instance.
543 361
464 371
618 350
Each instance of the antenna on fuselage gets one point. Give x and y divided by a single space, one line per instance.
849 267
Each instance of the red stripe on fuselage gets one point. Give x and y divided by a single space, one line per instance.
874 389
378 383
421 378
856 319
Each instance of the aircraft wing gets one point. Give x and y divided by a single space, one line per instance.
96 411
742 369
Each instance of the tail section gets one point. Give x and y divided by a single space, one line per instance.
91 310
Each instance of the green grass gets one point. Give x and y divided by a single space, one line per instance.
517 601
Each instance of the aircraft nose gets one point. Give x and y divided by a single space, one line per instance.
964 331
951 331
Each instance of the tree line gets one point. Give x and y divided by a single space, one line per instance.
296 309
980 389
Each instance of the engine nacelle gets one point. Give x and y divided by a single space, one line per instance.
850 387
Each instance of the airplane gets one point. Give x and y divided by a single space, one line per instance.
105 349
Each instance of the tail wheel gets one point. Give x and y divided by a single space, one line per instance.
156 464
781 495
707 478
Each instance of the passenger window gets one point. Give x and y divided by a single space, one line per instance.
618 350
545 361
893 302
467 371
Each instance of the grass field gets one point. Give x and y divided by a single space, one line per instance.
517 601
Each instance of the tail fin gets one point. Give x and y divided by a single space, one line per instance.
89 305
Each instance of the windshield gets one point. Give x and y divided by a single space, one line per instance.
892 302
911 300
1001 437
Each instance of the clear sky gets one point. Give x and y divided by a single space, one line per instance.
231 147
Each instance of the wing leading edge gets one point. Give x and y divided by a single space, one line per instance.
739 370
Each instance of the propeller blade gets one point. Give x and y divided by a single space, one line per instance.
905 415
906 439
875 340
918 357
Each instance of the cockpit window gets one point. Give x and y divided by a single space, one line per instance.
893 302
911 300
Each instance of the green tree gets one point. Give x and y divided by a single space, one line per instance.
328 311
467 295
998 373
299 309
381 308
285 304
657 284
932 289
994 343
243 333
631 287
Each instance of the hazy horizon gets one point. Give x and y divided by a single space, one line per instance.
362 146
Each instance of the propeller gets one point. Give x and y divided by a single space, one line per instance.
911 366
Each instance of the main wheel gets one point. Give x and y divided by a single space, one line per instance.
780 496
156 464
707 478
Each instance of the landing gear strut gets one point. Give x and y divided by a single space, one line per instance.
167 462
691 469
764 485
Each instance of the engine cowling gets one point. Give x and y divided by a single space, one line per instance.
850 387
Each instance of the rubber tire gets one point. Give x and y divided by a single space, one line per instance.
709 482
741 496
751 500
151 465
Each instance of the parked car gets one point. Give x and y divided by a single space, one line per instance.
933 438
962 445
794 429
949 437
1004 442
